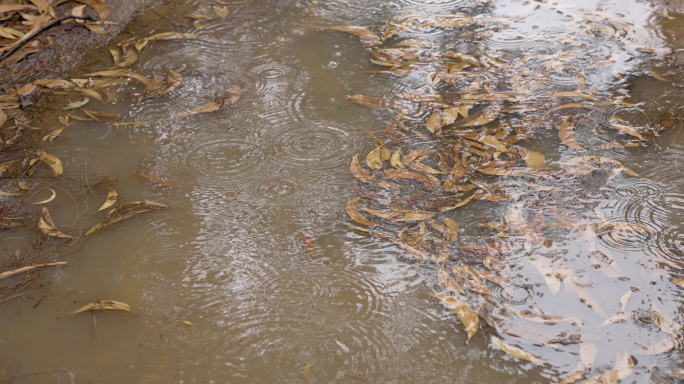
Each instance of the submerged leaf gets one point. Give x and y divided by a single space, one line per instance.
307 239
567 136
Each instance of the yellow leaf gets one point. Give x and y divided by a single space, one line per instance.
469 318
28 268
112 198
354 214
49 199
516 352
376 157
220 11
358 171
53 162
103 304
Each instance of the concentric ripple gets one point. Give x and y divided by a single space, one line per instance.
225 160
316 145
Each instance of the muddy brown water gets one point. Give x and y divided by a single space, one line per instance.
227 257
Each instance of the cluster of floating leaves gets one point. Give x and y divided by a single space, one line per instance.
21 153
472 125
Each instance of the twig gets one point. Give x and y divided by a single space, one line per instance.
38 32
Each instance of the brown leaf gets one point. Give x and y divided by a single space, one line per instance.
469 318
307 239
52 161
125 211
368 37
158 180
354 214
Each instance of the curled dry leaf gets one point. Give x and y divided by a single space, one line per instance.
112 198
49 199
52 161
47 226
28 268
354 214
103 304
125 211
358 171
377 157
53 135
625 127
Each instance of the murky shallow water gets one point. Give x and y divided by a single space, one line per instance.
227 257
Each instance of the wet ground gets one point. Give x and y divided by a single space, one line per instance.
222 290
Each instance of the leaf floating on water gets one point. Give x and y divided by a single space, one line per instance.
567 136
52 161
623 368
102 305
657 76
377 157
368 37
112 198
28 268
172 36
307 239
53 135
77 104
625 127
620 317
451 232
515 351
598 160
3 193
221 11
358 171
624 299
307 371
125 211
47 226
469 318
134 124
158 180
49 199
355 215
212 106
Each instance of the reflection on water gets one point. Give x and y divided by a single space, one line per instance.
227 257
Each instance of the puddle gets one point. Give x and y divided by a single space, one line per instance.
221 288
